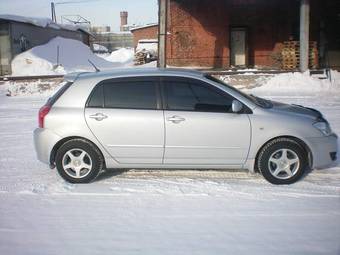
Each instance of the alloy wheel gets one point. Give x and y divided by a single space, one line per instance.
77 163
283 163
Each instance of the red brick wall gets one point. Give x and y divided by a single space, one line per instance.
199 33
144 33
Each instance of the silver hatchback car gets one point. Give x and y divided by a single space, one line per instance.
171 118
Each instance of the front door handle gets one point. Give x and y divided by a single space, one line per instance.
176 119
98 116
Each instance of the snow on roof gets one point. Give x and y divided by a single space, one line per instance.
42 22
98 47
114 33
148 41
145 26
150 46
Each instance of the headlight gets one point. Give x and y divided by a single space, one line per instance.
323 127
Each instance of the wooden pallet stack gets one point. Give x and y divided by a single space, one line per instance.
313 55
291 55
140 57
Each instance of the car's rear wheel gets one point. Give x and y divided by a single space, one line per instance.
78 161
282 161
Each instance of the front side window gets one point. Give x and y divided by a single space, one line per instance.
196 96
125 95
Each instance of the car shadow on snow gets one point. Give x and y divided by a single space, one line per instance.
207 174
226 174
108 173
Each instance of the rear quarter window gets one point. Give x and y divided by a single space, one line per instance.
96 99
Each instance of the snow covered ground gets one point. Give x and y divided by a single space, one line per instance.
163 212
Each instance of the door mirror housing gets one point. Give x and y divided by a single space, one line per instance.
236 106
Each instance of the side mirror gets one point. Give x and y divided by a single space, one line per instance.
236 106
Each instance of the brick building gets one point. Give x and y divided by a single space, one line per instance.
149 31
247 33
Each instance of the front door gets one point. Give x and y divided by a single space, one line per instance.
238 47
200 127
126 117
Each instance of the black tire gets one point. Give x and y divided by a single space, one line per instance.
93 153
278 144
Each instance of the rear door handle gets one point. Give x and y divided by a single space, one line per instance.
98 116
175 119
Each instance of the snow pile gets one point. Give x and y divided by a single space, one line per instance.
299 83
123 55
43 59
335 79
150 64
99 48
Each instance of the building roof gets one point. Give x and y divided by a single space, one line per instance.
42 22
145 26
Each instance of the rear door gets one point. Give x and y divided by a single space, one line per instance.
126 117
200 126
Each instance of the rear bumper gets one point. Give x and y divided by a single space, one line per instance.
44 141
324 150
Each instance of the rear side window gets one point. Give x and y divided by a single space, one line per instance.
195 96
58 94
134 95
125 95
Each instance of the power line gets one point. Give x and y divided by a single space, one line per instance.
76 2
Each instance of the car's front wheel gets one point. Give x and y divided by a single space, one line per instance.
282 161
78 161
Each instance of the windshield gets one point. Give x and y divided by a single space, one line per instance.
256 100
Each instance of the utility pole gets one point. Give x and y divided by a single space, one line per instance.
54 18
162 32
304 34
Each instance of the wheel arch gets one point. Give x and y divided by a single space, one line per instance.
66 139
302 143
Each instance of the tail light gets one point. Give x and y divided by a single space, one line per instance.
42 114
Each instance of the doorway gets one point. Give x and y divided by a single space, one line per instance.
5 49
238 47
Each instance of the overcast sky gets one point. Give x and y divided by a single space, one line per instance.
99 12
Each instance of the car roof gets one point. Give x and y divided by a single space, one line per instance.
133 72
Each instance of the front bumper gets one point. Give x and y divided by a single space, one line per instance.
324 150
44 141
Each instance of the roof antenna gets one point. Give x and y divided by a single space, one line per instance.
94 66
